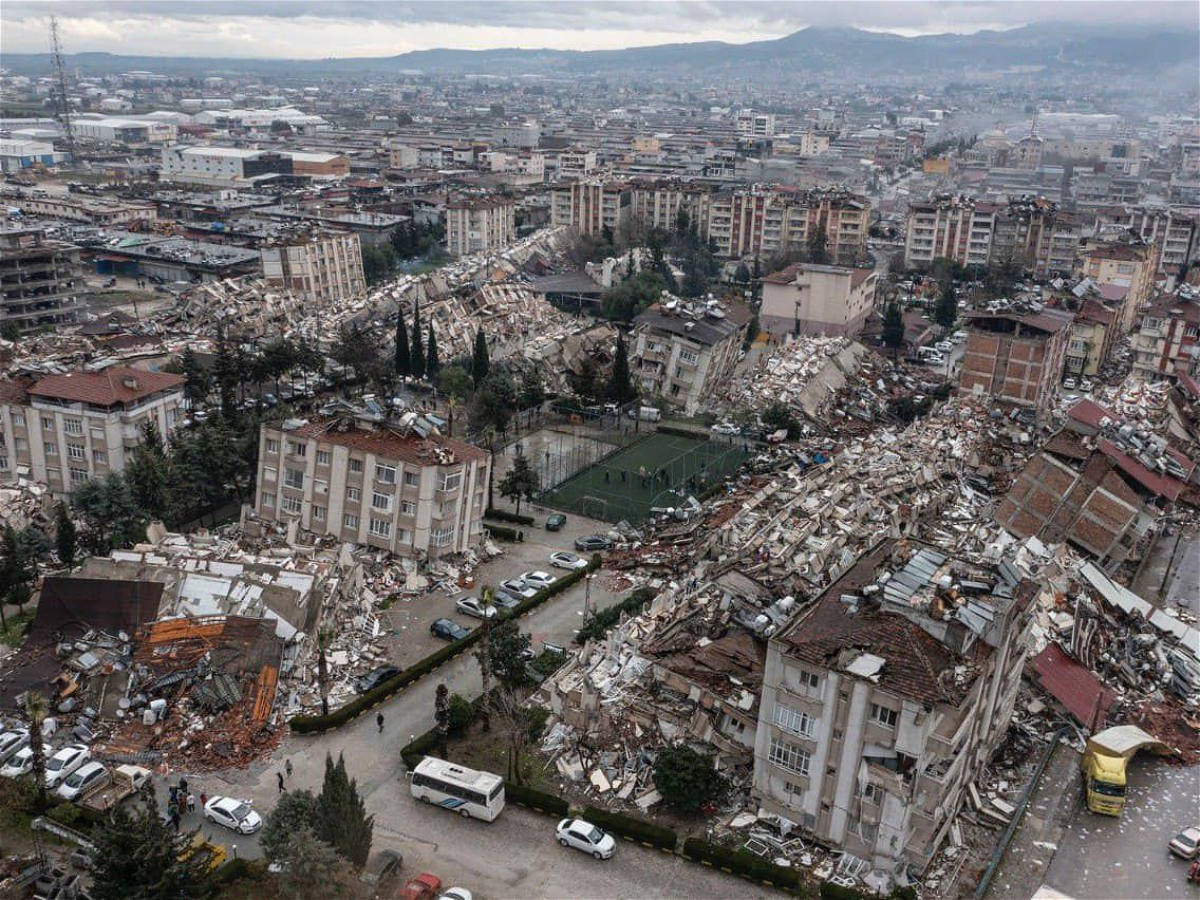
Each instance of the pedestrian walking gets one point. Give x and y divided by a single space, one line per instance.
279 775
191 803
287 765
172 793
203 799
379 721
175 819
183 786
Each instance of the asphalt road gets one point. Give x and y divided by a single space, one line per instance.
515 856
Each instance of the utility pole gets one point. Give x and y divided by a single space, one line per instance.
64 105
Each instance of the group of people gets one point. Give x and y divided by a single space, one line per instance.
180 801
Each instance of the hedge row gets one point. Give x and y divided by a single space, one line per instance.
307 724
504 533
633 828
539 801
503 515
739 862
598 624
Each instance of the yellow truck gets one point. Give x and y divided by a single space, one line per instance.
1104 763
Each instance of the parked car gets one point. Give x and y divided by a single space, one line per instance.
448 630
64 762
1069 383
538 579
933 359
374 678
583 835
20 763
505 600
726 428
424 887
382 865
473 606
518 588
455 893
565 559
555 522
591 543
234 814
11 742
1186 844
944 346
88 777
1085 384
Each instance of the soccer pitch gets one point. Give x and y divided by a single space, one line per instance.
657 470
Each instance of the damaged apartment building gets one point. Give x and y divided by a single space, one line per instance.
885 698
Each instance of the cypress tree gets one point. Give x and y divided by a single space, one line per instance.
621 388
417 354
65 535
432 364
479 359
342 820
403 360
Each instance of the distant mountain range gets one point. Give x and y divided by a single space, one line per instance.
1056 47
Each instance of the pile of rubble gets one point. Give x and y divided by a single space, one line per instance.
24 503
803 373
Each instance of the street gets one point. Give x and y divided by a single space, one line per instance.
515 856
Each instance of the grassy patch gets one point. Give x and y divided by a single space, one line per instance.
18 628
479 749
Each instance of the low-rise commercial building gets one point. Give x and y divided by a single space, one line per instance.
221 166
318 267
806 298
477 224
886 698
367 480
1015 357
91 210
64 429
39 279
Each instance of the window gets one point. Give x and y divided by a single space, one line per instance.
272 445
408 508
350 521
789 756
380 527
294 478
268 500
385 474
76 451
450 481
3 463
796 791
318 513
442 536
291 504
353 494
412 479
800 723
382 501
356 465
21 444
865 830
873 793
72 426
403 535
18 418
51 448
298 449
807 682
884 716
322 457
78 476
100 457
47 424
688 356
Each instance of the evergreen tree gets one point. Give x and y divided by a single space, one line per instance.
295 810
432 363
818 245
65 536
621 387
687 779
417 353
227 374
479 359
742 274
521 482
441 715
197 381
403 357
945 313
140 857
111 517
148 473
893 328
342 819
507 645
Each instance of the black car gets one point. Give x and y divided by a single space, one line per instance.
592 542
375 678
448 630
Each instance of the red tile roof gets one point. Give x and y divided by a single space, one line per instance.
407 448
1089 412
1074 686
114 385
1152 481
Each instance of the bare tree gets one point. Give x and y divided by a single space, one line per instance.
323 671
484 655
520 725
36 708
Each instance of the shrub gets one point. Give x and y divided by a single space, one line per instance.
741 863
64 814
238 868
540 801
687 779
633 828
502 533
502 515
462 712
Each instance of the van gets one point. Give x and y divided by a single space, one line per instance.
646 413
923 352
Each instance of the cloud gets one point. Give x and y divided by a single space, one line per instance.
289 29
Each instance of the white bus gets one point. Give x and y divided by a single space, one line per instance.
477 795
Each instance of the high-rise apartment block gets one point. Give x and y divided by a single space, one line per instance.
319 267
39 279
477 224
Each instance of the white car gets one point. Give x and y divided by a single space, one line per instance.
234 814
473 606
11 742
21 763
944 346
64 762
565 559
91 774
1069 383
933 359
1187 843
726 428
455 893
538 579
585 836
519 588
1085 384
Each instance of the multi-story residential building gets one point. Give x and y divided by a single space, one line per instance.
576 162
1091 339
1015 357
376 482
65 429
885 699
517 134
1166 343
1133 266
480 223
752 124
806 298
658 204
1174 232
590 205
319 267
39 279
763 222
682 354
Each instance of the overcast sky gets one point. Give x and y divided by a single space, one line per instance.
266 28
